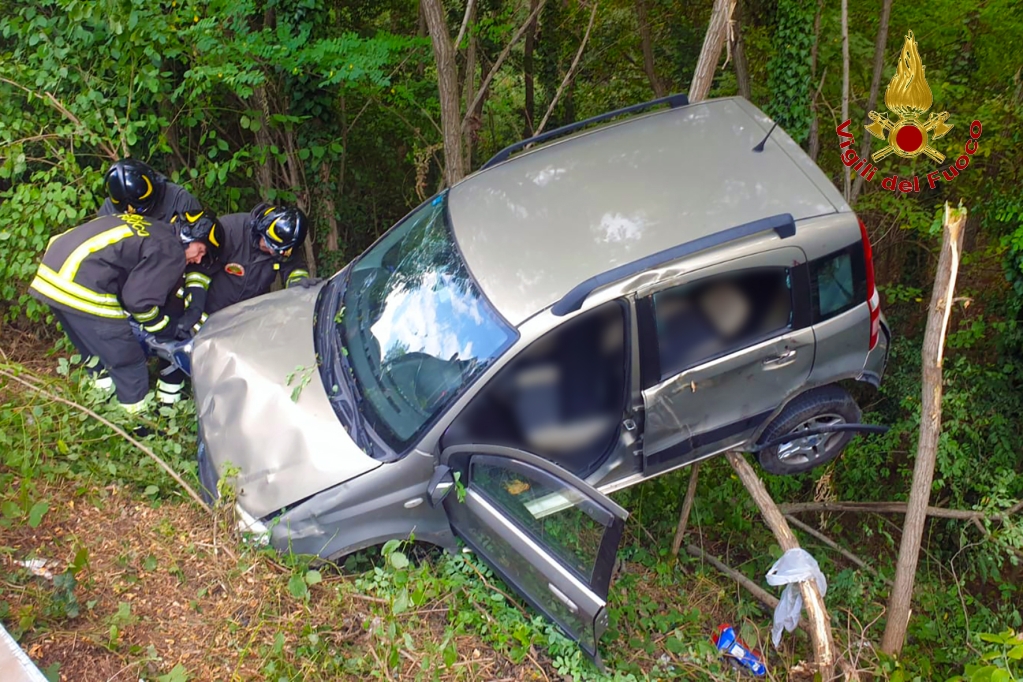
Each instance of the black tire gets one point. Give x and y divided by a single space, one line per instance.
816 407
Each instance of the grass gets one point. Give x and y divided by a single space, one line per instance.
145 584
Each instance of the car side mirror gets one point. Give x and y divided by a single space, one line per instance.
441 483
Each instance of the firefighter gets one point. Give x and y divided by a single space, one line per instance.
191 292
95 276
134 187
258 247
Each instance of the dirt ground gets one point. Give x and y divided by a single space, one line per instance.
192 600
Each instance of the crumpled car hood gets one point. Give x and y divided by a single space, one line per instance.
286 449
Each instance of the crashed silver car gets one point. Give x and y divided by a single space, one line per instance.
566 322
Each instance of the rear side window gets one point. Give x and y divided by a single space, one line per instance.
838 282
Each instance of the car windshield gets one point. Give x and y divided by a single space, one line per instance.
415 327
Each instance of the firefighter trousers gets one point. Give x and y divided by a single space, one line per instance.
119 353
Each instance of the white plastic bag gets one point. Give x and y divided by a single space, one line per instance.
794 566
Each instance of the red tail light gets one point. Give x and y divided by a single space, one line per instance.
873 300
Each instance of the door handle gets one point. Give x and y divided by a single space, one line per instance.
563 598
780 360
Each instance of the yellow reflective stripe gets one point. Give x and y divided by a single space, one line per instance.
134 408
273 235
197 279
91 246
149 188
297 274
148 315
200 323
77 290
55 294
157 326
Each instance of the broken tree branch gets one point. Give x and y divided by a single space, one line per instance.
713 41
117 429
813 602
687 508
930 432
897 508
832 544
465 23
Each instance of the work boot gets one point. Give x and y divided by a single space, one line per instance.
99 381
168 393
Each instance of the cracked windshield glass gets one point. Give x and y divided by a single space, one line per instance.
416 328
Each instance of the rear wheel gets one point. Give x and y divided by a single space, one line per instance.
824 406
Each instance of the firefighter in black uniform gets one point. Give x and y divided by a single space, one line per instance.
96 275
134 187
190 294
258 246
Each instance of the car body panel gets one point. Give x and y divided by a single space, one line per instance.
533 227
286 449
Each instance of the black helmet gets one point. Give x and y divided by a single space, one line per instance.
133 186
283 227
202 226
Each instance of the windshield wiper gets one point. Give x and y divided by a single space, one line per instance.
338 344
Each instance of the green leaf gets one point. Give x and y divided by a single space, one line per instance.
36 513
313 577
10 510
1016 652
401 602
245 121
1000 676
297 587
399 560
80 561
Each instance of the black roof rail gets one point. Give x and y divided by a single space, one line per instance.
677 100
783 224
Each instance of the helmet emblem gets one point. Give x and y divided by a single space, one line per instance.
149 188
273 235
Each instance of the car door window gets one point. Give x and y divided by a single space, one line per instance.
837 282
555 514
708 318
545 532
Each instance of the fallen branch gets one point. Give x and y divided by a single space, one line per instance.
761 595
117 429
898 508
833 545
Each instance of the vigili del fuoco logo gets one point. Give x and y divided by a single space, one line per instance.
908 98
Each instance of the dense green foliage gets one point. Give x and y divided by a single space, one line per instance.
334 105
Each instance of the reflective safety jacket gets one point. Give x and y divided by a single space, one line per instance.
245 271
175 199
112 267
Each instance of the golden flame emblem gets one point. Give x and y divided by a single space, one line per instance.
909 97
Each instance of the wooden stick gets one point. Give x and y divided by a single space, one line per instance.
761 595
833 545
687 507
817 614
117 429
571 71
896 508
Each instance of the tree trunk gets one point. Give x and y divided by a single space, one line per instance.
814 145
930 430
646 41
846 172
527 74
739 55
447 86
875 86
817 614
713 41
469 85
329 209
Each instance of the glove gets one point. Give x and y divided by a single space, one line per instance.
186 322
307 282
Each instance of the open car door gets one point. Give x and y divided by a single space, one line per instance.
546 532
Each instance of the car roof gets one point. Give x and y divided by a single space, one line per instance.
533 227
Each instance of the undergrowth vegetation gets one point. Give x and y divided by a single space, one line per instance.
419 613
